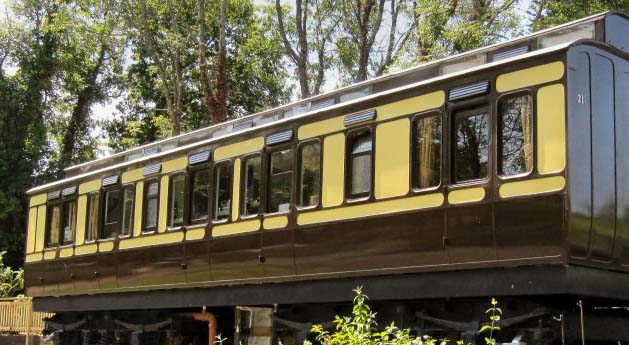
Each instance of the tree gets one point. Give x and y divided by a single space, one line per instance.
306 34
548 13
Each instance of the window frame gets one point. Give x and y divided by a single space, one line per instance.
99 221
243 183
442 163
298 178
145 199
169 211
350 137
123 188
229 163
468 110
498 121
60 202
192 172
267 178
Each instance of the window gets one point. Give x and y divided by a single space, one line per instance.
54 226
222 200
127 210
360 165
516 135
200 195
177 199
280 180
151 204
471 149
91 233
310 174
426 168
252 180
113 205
61 223
68 222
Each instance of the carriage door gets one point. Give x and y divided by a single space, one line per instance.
254 326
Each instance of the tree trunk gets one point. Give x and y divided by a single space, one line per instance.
204 80
220 96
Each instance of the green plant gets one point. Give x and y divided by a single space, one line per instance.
494 313
11 281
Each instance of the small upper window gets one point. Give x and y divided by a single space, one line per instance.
200 195
471 149
280 180
127 210
516 135
427 152
222 198
113 205
151 205
360 165
252 179
310 174
91 233
177 200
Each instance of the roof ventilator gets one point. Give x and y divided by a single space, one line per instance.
54 194
199 157
505 54
363 116
469 90
152 169
242 126
110 180
68 191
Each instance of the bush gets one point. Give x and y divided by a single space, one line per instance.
11 281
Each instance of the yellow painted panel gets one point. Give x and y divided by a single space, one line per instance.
371 209
105 246
236 228
534 186
466 195
163 205
151 240
50 254
195 234
333 170
175 164
90 186
236 190
139 198
530 76
86 249
237 149
41 228
551 129
32 230
132 175
38 199
33 257
384 112
275 222
81 215
392 158
65 252
412 105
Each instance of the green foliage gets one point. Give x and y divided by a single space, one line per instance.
11 281
494 313
548 13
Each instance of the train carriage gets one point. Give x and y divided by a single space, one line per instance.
497 172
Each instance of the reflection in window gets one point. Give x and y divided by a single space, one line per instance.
68 222
280 180
177 200
91 232
54 226
252 175
222 200
360 165
427 152
516 138
472 146
310 178
113 205
127 211
150 211
200 195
